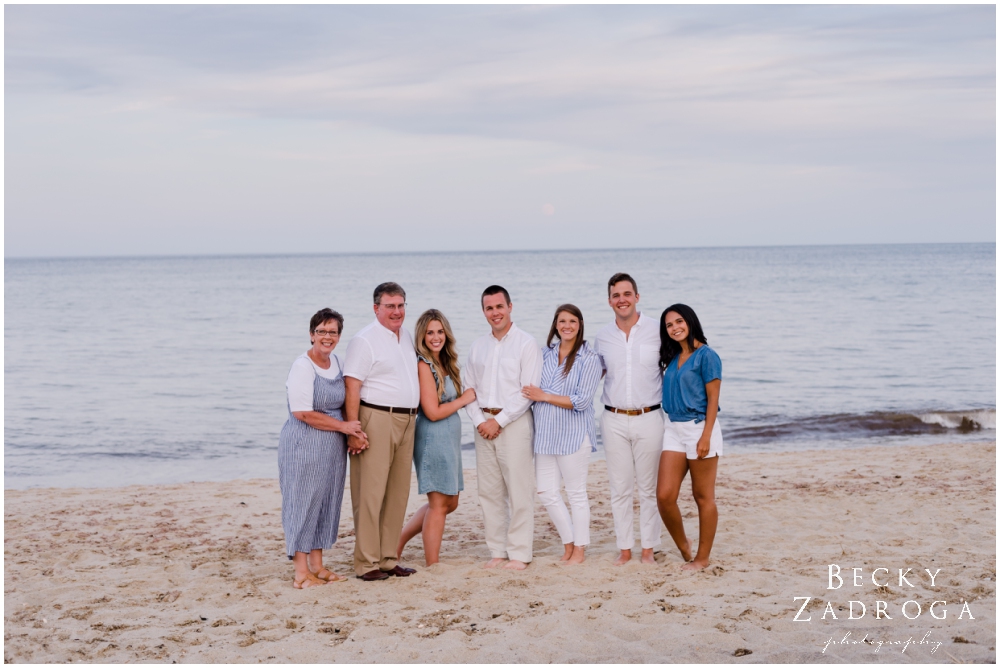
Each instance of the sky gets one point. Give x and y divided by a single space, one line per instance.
161 130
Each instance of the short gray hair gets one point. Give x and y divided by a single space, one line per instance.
388 288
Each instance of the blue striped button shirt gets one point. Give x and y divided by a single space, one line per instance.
560 431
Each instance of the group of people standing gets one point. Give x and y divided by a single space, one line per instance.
393 403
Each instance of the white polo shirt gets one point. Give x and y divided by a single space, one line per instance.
497 370
385 365
633 364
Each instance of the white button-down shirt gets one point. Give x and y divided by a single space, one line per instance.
385 365
633 364
497 370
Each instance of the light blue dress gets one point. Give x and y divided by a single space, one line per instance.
312 465
437 447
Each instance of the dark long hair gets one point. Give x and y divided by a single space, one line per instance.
553 333
669 349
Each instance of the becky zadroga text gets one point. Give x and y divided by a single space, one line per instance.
882 579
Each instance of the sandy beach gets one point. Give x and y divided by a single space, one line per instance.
196 573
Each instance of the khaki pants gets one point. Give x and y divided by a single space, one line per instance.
380 488
506 472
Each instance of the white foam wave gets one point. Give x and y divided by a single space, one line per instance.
965 420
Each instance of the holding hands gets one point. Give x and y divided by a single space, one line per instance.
489 429
357 440
353 428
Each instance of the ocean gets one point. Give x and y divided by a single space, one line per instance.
172 369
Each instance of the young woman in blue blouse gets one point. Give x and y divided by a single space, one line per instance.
564 428
692 439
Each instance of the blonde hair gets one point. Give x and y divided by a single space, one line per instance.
448 356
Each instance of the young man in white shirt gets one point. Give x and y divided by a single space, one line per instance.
499 365
380 374
632 422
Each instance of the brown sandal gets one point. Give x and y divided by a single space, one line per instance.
305 583
330 575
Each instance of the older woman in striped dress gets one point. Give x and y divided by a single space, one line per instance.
564 428
312 454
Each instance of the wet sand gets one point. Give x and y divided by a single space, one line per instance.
196 573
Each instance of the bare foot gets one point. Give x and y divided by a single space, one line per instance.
494 562
515 565
647 556
695 566
328 575
578 555
567 553
308 581
623 558
686 553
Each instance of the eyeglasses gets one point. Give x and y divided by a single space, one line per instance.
393 307
326 332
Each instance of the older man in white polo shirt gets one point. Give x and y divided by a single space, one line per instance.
383 393
632 422
500 364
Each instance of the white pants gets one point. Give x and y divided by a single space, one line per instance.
571 469
632 447
507 489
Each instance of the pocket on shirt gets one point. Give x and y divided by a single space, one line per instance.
510 371
649 355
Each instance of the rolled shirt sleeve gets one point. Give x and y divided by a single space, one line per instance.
582 396
710 366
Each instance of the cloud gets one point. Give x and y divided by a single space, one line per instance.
588 96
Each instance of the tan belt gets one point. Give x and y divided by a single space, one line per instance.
631 411
493 411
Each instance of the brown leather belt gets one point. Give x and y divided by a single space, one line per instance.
493 411
631 411
390 409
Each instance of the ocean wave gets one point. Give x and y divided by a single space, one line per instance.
964 421
866 425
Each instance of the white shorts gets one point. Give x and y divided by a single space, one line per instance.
683 437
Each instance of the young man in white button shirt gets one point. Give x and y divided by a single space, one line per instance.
500 364
380 374
632 422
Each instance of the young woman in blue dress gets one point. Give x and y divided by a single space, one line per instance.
692 438
437 441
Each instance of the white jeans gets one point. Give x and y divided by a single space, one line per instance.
632 447
571 469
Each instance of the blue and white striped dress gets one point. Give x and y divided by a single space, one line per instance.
560 431
312 464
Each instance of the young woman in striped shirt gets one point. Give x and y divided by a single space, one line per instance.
564 428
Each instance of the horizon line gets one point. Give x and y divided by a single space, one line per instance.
192 256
